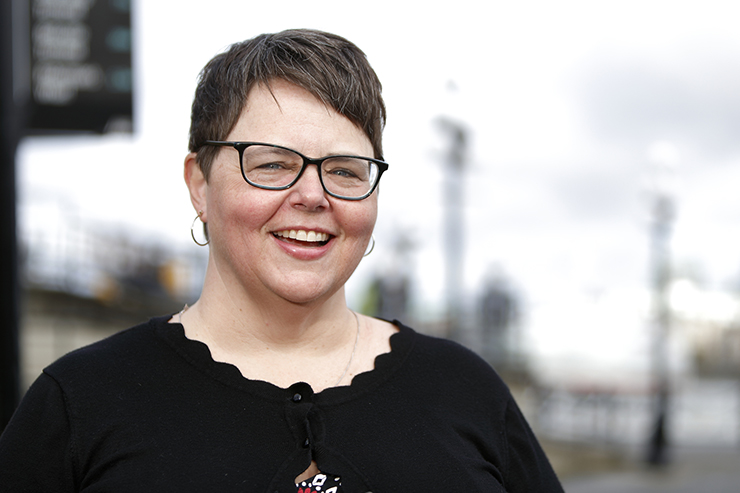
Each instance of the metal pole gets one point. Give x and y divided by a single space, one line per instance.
657 453
10 135
454 224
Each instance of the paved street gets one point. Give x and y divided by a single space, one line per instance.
691 471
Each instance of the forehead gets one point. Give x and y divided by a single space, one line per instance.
289 115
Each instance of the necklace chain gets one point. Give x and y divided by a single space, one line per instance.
354 348
179 315
351 356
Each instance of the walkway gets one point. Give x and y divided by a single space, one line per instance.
690 471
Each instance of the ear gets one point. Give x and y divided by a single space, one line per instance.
197 185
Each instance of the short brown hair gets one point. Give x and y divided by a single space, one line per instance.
326 65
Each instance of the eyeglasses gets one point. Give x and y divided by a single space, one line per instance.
274 167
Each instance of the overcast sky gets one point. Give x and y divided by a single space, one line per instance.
564 102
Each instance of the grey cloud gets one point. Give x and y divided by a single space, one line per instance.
692 99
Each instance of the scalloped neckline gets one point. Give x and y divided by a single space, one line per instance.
198 354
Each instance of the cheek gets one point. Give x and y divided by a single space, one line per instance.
236 214
360 221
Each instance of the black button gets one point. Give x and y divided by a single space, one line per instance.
297 398
306 443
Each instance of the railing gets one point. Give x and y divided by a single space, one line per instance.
701 413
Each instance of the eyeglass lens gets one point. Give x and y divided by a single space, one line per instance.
273 167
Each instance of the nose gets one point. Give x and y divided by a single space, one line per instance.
308 192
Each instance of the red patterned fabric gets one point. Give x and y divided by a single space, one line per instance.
321 483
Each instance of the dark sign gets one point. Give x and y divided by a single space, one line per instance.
81 78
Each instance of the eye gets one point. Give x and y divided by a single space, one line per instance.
346 168
268 159
272 166
342 173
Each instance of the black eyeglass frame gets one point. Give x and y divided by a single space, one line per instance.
241 146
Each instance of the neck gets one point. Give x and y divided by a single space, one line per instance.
245 324
279 346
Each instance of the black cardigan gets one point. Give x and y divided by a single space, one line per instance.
149 410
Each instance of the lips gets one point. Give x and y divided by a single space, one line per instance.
303 237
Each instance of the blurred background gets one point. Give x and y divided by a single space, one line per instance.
562 198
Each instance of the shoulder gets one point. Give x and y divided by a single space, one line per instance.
449 363
108 357
443 351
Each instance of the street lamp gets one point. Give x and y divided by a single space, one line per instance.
663 156
455 164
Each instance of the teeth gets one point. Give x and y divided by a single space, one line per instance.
302 235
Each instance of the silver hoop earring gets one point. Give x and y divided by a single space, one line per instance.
205 231
372 247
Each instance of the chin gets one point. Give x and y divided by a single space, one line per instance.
308 286
306 298
308 293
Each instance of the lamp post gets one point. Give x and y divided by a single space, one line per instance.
455 163
663 213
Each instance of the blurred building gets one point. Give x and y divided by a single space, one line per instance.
498 312
709 323
389 294
717 351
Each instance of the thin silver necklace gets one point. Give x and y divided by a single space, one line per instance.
179 315
351 356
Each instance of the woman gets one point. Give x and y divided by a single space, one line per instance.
269 382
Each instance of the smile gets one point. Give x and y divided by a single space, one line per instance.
315 237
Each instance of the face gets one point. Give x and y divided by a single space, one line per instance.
250 229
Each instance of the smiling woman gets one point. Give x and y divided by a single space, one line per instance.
269 382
